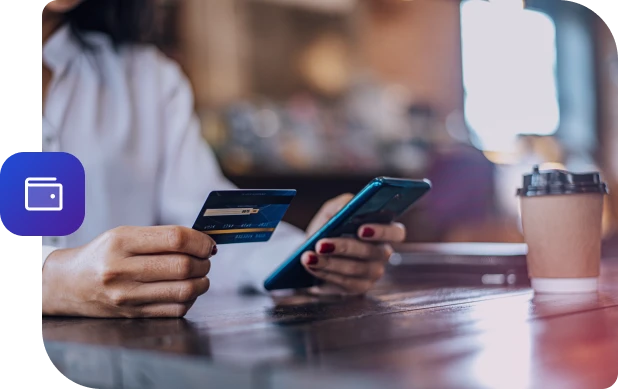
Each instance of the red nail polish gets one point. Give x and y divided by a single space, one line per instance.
368 232
313 259
214 251
327 248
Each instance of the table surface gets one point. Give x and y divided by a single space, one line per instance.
402 335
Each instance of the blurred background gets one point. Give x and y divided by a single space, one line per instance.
323 95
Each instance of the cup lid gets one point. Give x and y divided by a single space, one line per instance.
560 182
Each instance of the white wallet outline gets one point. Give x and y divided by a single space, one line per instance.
37 185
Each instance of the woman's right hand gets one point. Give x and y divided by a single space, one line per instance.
129 272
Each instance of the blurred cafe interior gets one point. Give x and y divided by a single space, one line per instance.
323 95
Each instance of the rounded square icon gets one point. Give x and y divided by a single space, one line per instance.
42 194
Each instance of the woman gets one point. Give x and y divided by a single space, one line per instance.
125 111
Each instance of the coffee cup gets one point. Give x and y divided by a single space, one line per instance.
561 214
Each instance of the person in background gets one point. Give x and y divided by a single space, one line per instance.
126 112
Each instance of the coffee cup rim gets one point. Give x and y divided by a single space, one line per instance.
548 183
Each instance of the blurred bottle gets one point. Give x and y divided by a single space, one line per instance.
300 146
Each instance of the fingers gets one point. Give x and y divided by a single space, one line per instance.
371 271
389 233
174 292
352 248
351 265
165 239
172 267
347 284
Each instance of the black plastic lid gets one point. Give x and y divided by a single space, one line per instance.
560 182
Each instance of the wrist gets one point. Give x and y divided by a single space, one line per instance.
54 289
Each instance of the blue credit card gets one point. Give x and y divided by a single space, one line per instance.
243 216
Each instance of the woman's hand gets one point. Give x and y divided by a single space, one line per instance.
129 272
350 266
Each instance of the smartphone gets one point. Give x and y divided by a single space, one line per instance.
382 201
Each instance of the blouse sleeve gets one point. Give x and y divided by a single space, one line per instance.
189 172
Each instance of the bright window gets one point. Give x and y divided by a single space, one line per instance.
509 66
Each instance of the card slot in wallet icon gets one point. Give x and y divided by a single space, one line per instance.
43 194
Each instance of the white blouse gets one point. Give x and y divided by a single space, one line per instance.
127 114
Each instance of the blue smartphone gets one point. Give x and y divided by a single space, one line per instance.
382 201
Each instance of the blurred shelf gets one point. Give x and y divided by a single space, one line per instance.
313 190
323 175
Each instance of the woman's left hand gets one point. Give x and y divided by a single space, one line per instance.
350 266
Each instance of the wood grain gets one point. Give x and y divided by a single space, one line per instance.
400 336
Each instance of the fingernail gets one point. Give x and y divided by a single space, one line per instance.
327 248
214 251
368 232
313 259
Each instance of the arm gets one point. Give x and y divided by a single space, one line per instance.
189 172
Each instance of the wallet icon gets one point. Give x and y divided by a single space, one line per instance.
43 194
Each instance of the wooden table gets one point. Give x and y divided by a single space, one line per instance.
400 336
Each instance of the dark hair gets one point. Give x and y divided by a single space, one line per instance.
123 21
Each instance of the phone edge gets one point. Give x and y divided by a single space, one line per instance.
374 185
312 240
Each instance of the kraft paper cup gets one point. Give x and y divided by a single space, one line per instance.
562 220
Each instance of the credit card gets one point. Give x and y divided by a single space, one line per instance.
243 216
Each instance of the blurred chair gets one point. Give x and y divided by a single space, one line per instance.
462 205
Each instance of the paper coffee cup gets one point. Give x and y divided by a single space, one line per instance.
562 221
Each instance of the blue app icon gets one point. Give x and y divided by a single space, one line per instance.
42 194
